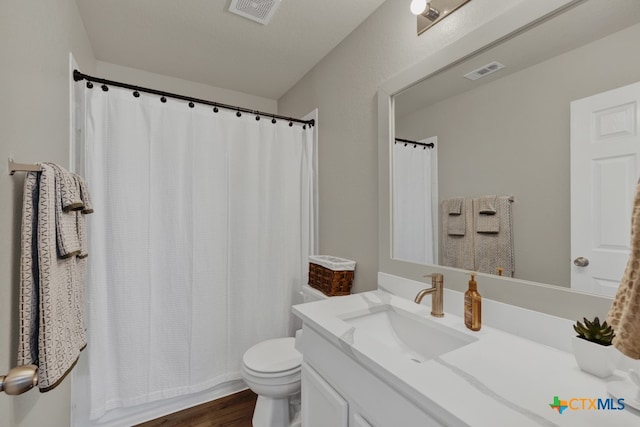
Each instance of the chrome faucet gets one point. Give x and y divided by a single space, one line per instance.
436 291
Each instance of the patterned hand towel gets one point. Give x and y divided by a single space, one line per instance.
28 295
51 291
67 189
457 250
67 194
493 250
87 207
487 219
624 314
80 215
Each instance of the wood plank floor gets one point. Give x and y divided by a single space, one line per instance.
235 410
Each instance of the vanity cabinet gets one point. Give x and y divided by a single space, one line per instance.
355 374
321 404
337 390
324 406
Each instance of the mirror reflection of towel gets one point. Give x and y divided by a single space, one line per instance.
456 221
486 219
454 205
457 249
493 248
487 205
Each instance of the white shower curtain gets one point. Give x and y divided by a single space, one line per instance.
413 211
199 244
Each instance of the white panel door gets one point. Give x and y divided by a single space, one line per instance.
322 406
605 163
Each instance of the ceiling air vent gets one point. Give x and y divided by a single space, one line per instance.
484 71
257 10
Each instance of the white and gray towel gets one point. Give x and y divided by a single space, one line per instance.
52 329
87 208
68 201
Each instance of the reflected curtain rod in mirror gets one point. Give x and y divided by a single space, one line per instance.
415 143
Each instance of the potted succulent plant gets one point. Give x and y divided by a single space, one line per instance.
592 347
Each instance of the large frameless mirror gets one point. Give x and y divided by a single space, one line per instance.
546 118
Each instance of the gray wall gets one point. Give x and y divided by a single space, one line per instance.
35 40
511 136
184 87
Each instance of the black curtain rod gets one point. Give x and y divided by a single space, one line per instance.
78 76
424 144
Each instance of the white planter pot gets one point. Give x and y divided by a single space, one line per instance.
594 358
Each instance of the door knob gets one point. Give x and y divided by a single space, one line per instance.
581 261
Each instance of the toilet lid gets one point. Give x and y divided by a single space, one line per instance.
274 355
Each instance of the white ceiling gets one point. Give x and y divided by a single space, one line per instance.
201 41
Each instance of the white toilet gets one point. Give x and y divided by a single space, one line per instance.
272 370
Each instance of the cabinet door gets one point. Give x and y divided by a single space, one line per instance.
322 406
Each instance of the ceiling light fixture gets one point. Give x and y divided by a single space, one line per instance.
432 12
418 6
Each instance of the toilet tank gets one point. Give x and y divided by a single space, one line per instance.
310 294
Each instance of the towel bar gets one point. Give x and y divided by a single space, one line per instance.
22 167
19 379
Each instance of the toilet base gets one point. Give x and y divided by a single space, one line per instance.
283 412
272 412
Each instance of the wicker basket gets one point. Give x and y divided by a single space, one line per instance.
331 275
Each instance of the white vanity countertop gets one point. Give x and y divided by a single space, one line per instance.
499 380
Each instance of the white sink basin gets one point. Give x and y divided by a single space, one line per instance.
410 335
